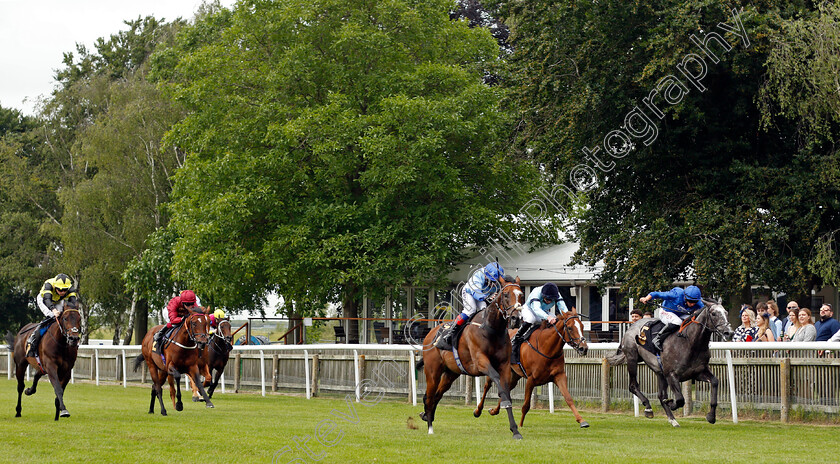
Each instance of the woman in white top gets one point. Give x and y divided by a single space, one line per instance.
806 331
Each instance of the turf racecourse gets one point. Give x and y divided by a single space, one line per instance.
111 424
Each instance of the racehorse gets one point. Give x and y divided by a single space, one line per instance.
179 357
483 349
684 357
214 357
542 356
57 351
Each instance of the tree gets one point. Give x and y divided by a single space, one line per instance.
334 148
696 190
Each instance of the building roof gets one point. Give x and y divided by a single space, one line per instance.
548 264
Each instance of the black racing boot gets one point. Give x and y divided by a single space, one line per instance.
158 340
659 339
521 335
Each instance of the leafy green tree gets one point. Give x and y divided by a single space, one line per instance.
334 147
701 190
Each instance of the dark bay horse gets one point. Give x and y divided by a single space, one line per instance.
483 349
214 358
682 358
57 351
542 356
180 356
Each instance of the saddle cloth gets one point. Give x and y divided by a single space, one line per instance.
646 334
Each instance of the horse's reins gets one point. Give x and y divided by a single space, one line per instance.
60 326
228 345
190 335
573 342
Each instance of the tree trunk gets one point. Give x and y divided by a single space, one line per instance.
141 320
83 311
129 330
351 310
116 339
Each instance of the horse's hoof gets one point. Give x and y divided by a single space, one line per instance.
494 412
209 405
422 416
517 436
196 399
477 413
202 399
649 413
678 405
674 422
163 413
64 413
17 415
584 425
711 418
179 406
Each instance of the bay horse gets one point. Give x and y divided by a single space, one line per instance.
57 350
180 356
542 356
483 349
214 358
683 358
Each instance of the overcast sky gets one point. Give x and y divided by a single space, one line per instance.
34 35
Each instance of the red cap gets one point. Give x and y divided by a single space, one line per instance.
188 296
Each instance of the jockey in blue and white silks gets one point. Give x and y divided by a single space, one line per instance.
537 309
483 282
677 305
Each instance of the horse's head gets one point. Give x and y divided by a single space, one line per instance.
198 326
571 329
511 297
223 331
70 324
719 320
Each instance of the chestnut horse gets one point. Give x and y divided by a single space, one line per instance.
483 349
57 351
214 357
542 356
180 356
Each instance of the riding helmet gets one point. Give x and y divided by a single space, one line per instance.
692 294
550 291
62 282
188 296
493 271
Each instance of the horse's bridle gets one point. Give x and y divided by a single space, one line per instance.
61 326
574 342
225 339
694 320
189 333
508 311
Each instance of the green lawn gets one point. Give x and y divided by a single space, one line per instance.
111 424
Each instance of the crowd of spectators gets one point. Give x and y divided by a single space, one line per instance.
763 324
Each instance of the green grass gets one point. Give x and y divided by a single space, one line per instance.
111 424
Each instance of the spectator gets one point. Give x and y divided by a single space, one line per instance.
793 315
765 332
806 332
835 337
775 323
747 331
635 315
648 315
827 325
793 312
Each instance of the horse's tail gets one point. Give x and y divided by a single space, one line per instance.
10 341
138 361
419 364
618 358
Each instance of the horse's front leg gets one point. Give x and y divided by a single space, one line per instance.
480 406
707 376
664 401
633 372
174 379
502 380
562 383
215 383
58 386
20 373
674 383
199 386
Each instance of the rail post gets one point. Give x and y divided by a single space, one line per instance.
316 374
237 364
784 388
605 385
275 365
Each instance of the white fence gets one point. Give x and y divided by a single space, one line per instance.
785 375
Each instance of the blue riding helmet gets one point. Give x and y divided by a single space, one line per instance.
493 271
692 294
550 292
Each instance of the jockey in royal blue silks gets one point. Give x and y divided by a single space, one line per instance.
483 282
677 306
538 307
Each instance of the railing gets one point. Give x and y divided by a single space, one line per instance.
774 376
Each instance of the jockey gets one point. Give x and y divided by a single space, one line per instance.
483 283
216 318
55 294
538 307
178 308
677 305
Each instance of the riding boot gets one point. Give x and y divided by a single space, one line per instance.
158 340
35 338
659 339
521 336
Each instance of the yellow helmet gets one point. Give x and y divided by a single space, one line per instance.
62 282
219 314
